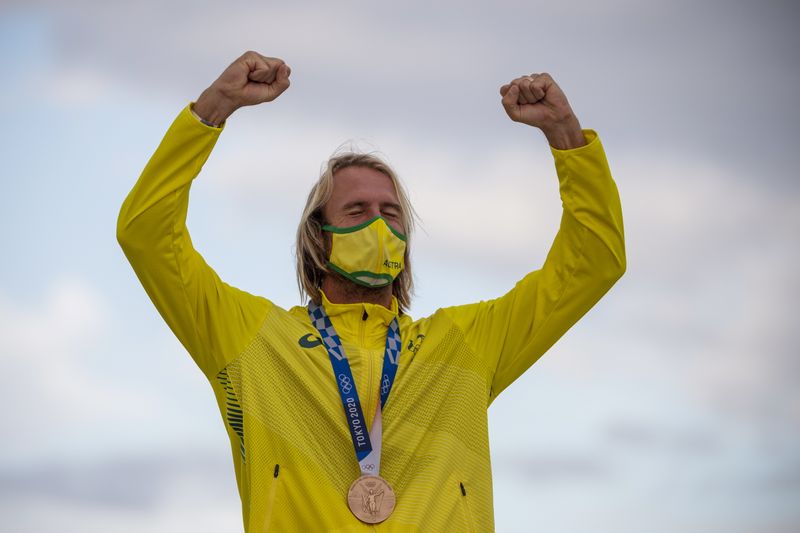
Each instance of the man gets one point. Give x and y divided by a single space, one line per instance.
346 414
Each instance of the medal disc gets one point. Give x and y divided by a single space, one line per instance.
371 499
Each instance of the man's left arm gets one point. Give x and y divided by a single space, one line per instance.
586 258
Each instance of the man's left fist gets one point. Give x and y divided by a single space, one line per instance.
538 101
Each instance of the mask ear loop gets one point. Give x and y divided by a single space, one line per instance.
319 272
327 241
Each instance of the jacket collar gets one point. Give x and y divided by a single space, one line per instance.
353 319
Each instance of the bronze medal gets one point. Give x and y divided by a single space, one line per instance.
371 499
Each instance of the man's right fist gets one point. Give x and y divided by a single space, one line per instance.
251 79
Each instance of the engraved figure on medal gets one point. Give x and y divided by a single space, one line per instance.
372 502
371 499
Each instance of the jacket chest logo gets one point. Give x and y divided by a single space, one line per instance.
309 340
415 344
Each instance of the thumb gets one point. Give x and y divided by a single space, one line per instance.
510 101
282 79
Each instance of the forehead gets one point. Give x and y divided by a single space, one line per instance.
361 184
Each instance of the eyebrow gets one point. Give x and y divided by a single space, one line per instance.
362 203
393 205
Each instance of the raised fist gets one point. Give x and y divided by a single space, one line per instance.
538 101
251 79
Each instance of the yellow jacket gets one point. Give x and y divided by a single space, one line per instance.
292 451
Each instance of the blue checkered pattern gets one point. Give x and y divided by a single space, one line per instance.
328 334
393 342
333 343
391 358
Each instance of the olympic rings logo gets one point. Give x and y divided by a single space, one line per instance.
345 384
385 384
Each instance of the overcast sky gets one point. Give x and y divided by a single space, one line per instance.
674 405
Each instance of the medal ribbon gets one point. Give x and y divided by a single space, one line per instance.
369 458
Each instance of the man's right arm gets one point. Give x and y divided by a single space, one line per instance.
213 320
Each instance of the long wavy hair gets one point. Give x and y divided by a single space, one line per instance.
311 250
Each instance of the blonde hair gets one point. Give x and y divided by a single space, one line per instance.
310 249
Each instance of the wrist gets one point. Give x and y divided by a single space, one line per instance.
212 108
565 135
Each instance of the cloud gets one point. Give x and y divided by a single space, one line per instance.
547 469
76 87
707 300
421 69
157 493
787 480
48 347
137 483
627 435
70 315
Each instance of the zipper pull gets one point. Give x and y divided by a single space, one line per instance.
365 315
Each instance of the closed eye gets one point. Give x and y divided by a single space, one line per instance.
391 211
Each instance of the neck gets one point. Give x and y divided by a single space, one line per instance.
340 290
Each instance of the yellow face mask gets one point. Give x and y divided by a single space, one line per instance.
370 254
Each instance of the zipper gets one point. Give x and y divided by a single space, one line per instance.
271 497
362 328
465 506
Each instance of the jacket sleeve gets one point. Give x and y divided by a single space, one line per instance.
586 258
212 320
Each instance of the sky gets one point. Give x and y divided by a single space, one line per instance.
673 405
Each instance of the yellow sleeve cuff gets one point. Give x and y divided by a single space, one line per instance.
204 121
590 136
